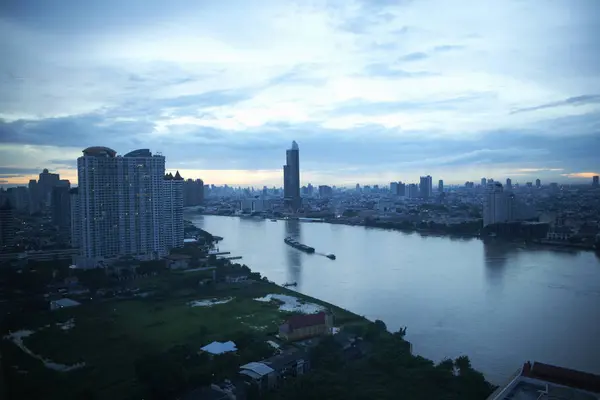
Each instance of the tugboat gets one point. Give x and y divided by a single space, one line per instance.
330 256
297 245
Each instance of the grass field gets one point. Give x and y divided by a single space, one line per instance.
109 336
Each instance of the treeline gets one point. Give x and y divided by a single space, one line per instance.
470 228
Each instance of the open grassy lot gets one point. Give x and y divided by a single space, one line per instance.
109 336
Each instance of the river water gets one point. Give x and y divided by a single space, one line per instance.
499 303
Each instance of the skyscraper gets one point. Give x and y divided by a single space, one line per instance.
193 192
498 206
401 189
121 204
595 182
7 224
173 203
394 188
413 191
484 183
291 178
508 184
61 210
75 219
441 186
46 182
538 183
425 186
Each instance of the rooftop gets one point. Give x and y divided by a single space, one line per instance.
219 348
301 321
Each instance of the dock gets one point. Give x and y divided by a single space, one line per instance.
220 253
231 258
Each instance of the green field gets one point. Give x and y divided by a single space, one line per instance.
109 336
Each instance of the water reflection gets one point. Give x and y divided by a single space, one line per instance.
495 255
294 257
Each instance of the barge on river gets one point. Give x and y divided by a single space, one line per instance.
297 245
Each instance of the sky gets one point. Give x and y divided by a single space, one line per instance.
373 91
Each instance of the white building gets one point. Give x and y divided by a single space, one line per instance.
255 205
498 205
124 206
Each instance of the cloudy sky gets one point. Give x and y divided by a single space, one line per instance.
372 90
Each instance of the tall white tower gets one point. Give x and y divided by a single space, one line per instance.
120 201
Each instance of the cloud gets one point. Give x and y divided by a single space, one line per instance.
416 56
581 175
571 101
14 171
371 89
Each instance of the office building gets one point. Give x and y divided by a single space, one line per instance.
291 178
325 191
61 210
173 208
498 205
311 189
538 183
19 198
484 183
121 204
394 188
401 189
7 224
508 185
75 219
193 192
46 182
426 187
595 182
413 191
441 186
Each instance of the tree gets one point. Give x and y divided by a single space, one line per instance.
463 364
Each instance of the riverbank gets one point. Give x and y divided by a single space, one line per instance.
458 231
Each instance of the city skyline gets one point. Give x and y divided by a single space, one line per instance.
374 91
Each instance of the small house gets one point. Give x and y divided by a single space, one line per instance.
63 303
300 327
216 348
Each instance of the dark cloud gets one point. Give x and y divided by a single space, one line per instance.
573 101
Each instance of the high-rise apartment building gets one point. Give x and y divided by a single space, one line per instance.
193 192
484 183
121 202
508 184
538 183
498 206
61 210
401 189
394 188
426 186
291 178
173 201
75 219
46 182
413 191
441 186
7 224
325 191
595 182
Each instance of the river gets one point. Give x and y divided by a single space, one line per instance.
499 303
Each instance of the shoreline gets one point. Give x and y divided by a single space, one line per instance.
427 232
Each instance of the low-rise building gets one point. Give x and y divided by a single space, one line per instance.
63 303
178 261
540 381
305 326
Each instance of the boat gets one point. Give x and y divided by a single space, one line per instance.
290 284
297 245
330 256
